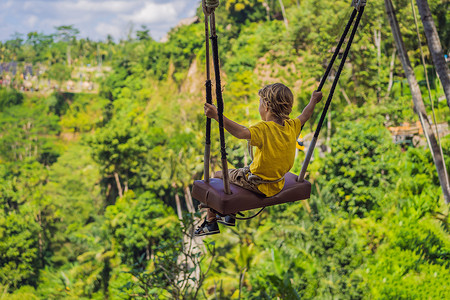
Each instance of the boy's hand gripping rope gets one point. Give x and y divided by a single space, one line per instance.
208 9
358 4
301 177
208 97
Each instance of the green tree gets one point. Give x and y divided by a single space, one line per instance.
360 169
121 149
27 133
59 72
139 225
25 220
67 34
19 259
9 97
143 34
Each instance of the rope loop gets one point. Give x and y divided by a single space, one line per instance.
209 6
212 3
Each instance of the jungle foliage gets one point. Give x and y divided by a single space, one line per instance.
91 185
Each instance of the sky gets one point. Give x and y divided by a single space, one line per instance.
94 18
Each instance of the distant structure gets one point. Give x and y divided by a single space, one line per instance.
10 67
183 22
406 134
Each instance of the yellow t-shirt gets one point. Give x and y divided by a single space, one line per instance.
275 152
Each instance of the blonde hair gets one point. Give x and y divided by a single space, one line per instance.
278 98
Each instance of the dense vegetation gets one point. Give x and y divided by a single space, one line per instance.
91 183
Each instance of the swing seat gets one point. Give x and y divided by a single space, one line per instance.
213 196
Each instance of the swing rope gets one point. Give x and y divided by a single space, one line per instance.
208 9
360 11
225 176
239 213
429 90
208 98
248 218
212 3
336 51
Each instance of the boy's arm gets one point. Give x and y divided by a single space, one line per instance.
237 130
308 110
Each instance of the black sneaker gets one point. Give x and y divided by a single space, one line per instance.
207 228
227 220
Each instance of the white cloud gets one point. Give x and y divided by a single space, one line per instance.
154 13
32 20
103 7
8 4
107 28
115 30
94 18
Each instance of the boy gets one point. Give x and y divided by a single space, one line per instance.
275 141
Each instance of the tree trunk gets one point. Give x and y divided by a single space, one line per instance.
435 47
241 281
419 107
106 277
284 14
377 43
345 95
119 187
267 7
188 199
40 241
178 203
391 74
108 190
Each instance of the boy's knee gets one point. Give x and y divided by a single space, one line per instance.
218 174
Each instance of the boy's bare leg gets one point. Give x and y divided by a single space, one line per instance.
210 216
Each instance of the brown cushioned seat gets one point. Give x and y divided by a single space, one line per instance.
240 199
